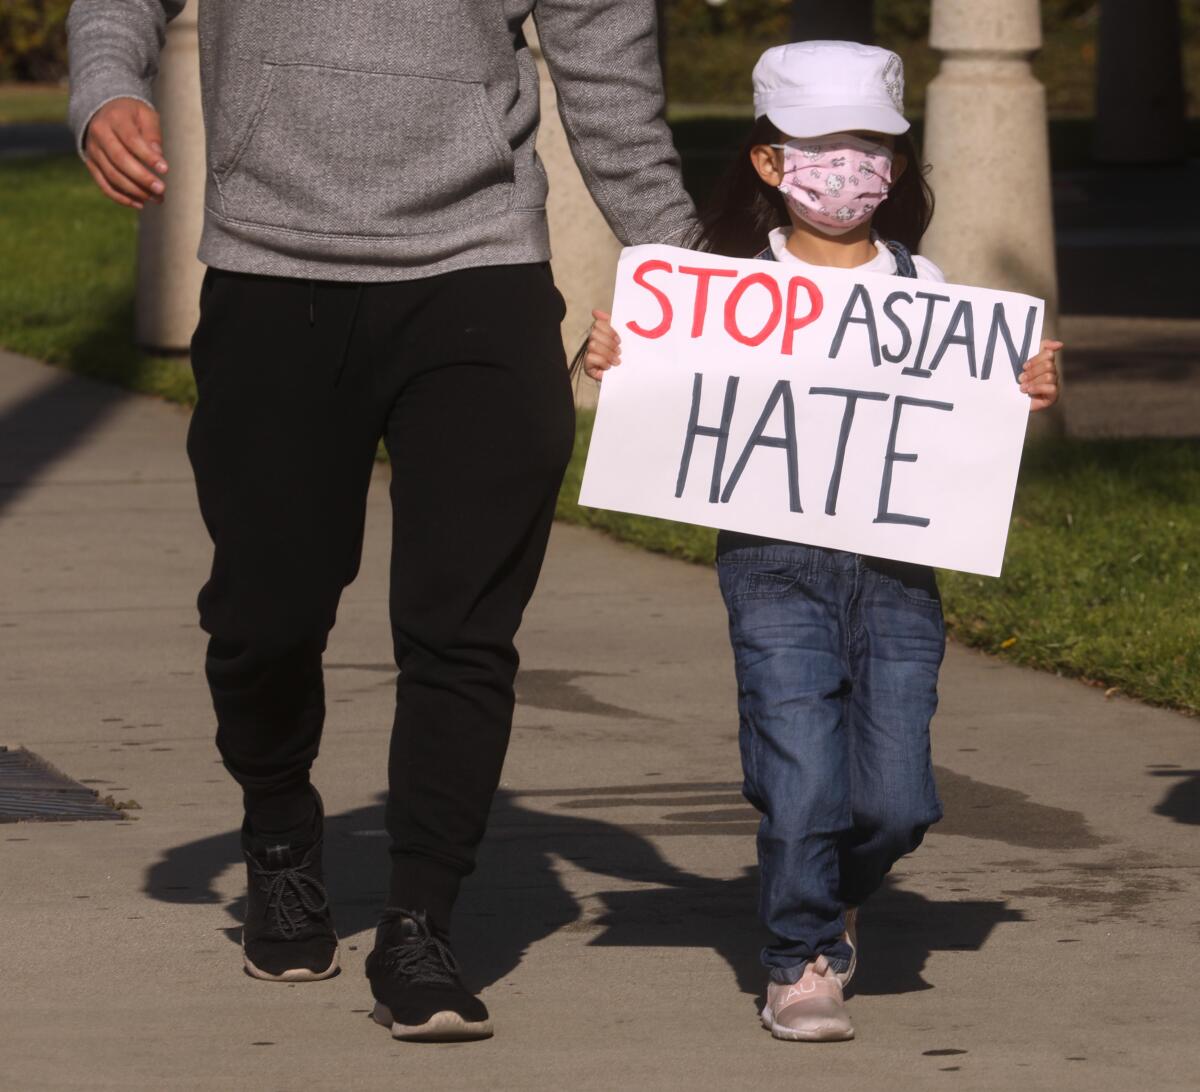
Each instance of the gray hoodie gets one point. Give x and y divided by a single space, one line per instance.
373 140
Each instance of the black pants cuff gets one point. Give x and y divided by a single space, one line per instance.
419 883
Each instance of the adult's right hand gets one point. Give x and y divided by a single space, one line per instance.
123 151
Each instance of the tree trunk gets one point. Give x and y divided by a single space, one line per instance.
1140 106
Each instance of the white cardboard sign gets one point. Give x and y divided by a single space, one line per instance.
857 411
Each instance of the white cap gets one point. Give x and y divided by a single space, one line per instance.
808 89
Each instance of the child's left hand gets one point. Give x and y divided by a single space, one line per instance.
1039 377
603 346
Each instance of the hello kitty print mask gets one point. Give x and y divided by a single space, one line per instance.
835 182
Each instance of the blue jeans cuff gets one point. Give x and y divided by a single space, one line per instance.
793 972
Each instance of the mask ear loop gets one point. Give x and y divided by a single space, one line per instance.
783 186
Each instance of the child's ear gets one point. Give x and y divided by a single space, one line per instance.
899 166
768 162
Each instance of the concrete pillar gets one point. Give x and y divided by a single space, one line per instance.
1140 103
168 272
844 21
584 248
987 141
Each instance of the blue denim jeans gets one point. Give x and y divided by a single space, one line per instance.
837 659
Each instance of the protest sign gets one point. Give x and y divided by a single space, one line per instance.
858 411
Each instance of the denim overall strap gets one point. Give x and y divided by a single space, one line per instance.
905 266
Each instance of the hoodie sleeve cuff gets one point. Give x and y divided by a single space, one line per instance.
685 235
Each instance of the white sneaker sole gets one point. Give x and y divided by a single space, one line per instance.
820 1033
297 974
441 1027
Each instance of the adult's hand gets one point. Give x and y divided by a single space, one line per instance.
123 151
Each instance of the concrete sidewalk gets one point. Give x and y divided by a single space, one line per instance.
1044 937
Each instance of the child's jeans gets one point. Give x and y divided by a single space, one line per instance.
837 659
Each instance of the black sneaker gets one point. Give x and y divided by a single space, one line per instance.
288 935
414 978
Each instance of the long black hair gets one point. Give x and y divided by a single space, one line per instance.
742 208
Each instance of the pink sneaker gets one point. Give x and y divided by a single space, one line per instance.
850 936
811 1010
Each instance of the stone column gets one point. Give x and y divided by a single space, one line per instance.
987 141
584 248
1140 103
168 272
844 21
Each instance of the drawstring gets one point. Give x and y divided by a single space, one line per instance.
358 294
312 320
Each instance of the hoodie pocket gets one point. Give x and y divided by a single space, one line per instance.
341 152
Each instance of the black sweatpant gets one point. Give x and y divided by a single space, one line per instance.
463 375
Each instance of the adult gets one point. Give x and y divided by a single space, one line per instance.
376 243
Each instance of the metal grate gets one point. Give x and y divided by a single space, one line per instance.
33 790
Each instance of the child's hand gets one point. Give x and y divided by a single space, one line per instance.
1039 377
603 347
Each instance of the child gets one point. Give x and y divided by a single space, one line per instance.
837 655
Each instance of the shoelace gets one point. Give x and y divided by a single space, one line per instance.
423 958
293 897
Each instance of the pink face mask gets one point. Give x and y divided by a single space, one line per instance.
835 182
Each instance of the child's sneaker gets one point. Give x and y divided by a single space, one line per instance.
811 1010
414 978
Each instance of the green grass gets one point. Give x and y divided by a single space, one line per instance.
1101 579
66 278
32 102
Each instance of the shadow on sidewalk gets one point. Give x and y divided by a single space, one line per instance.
518 896
67 405
46 425
1182 801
